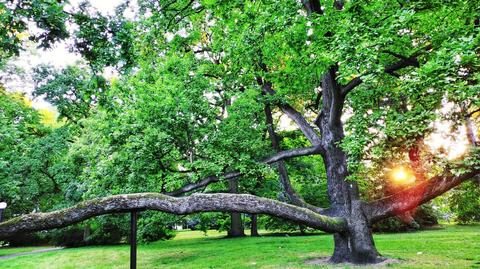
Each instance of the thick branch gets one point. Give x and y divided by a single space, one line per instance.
181 206
412 197
471 137
333 100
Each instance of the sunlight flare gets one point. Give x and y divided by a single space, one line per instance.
402 176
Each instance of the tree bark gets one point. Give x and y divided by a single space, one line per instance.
236 222
356 243
219 202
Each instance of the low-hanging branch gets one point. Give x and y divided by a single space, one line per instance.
220 202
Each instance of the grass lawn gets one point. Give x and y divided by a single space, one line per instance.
451 247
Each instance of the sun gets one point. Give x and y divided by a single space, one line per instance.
402 176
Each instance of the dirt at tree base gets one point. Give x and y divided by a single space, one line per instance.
325 261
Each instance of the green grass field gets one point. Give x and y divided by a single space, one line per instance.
451 247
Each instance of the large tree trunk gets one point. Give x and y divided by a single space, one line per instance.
356 244
236 223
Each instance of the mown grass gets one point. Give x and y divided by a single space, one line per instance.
450 247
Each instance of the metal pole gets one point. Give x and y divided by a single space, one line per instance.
3 205
133 240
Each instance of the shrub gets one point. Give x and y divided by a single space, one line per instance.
424 217
68 237
154 226
465 203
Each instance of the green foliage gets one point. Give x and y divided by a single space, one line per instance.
15 16
71 236
28 151
186 103
73 90
103 40
154 226
465 203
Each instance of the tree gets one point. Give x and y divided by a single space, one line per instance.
28 156
73 90
356 82
47 15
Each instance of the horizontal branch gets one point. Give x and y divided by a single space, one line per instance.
220 202
279 156
291 153
411 198
203 183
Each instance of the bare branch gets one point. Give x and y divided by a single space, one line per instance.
291 153
203 183
282 155
296 116
288 189
391 69
220 202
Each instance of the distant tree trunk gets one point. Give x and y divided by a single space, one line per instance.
236 223
302 229
86 233
254 226
472 139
